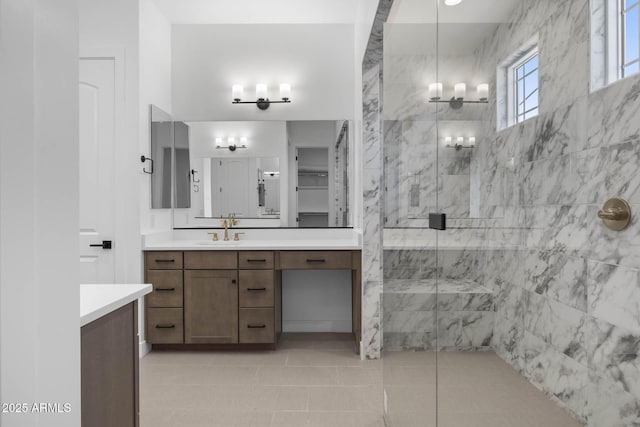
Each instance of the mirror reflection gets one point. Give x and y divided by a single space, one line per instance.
266 173
162 158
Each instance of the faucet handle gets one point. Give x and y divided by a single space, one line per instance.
236 237
214 236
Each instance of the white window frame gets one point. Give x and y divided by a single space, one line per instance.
614 41
622 32
505 83
513 85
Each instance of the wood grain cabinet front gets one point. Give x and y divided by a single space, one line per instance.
257 326
320 260
256 288
167 288
164 326
254 260
162 260
211 306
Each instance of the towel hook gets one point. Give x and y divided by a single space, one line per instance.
144 159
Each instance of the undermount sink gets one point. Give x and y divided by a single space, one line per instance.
219 243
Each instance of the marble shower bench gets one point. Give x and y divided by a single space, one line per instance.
463 311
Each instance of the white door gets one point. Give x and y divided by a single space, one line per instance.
97 180
233 180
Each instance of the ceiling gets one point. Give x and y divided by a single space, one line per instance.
469 11
411 27
259 11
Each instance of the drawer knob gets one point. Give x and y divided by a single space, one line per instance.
256 289
165 289
171 326
261 326
319 260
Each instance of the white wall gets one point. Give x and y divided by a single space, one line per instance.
39 292
155 88
317 60
316 301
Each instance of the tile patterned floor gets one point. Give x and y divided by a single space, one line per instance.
317 380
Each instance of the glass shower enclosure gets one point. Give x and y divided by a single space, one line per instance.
490 322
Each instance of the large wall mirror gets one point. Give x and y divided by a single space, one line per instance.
265 173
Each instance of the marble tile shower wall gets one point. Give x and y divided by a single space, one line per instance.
567 289
568 297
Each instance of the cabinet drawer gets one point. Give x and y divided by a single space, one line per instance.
255 260
256 288
164 326
167 288
211 260
328 260
163 260
256 326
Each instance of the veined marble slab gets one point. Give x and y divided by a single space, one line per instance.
433 286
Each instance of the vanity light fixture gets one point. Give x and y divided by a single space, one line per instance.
459 94
231 143
459 145
262 95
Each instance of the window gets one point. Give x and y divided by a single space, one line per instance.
615 41
525 90
629 37
518 85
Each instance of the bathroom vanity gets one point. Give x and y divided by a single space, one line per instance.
109 354
214 297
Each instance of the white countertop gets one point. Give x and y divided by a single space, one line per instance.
257 245
99 300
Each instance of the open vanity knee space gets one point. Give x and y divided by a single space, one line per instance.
221 299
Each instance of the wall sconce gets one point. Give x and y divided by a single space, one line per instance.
231 143
459 145
262 96
459 93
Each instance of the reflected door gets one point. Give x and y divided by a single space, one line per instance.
96 179
232 178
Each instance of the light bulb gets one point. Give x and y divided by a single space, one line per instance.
472 141
435 91
483 91
460 90
237 92
447 141
452 2
285 91
459 141
261 91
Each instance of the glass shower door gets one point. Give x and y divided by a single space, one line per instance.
410 128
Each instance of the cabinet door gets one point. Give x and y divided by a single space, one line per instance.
210 306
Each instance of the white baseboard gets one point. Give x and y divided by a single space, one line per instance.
338 326
143 349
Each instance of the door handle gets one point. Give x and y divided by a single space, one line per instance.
106 244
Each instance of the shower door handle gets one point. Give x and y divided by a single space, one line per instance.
438 221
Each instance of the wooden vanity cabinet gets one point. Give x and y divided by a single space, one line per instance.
229 298
165 304
211 306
